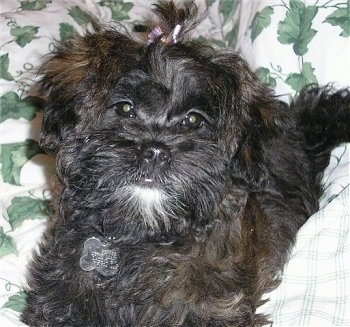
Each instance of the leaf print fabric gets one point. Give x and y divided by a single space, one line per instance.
341 17
7 244
296 28
261 20
119 8
14 156
300 32
24 35
12 106
4 65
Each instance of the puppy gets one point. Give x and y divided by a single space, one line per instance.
183 180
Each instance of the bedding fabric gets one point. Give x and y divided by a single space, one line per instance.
289 42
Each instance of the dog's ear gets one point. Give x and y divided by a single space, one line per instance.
252 100
77 78
253 116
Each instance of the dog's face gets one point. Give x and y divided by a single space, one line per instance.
151 133
164 121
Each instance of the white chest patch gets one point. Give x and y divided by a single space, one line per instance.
148 195
151 204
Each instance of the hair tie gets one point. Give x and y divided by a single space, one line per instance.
157 33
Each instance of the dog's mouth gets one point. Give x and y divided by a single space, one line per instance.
150 185
153 175
148 182
154 164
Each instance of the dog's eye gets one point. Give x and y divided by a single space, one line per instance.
192 120
124 109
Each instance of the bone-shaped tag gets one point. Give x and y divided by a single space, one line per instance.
97 257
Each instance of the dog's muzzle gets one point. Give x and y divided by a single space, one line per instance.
153 156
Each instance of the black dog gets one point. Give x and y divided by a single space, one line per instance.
183 180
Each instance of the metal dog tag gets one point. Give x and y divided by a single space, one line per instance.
97 257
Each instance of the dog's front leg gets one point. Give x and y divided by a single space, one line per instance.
61 294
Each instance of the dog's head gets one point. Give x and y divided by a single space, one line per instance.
159 131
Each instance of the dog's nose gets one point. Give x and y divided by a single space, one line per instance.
155 154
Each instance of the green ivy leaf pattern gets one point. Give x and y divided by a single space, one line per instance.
228 9
119 8
26 207
12 106
4 66
260 21
34 5
341 17
14 156
67 31
296 27
79 15
264 75
299 80
7 244
209 2
231 36
24 35
17 302
228 24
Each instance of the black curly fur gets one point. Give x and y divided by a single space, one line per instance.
200 189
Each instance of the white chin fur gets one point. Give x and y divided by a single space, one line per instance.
150 203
